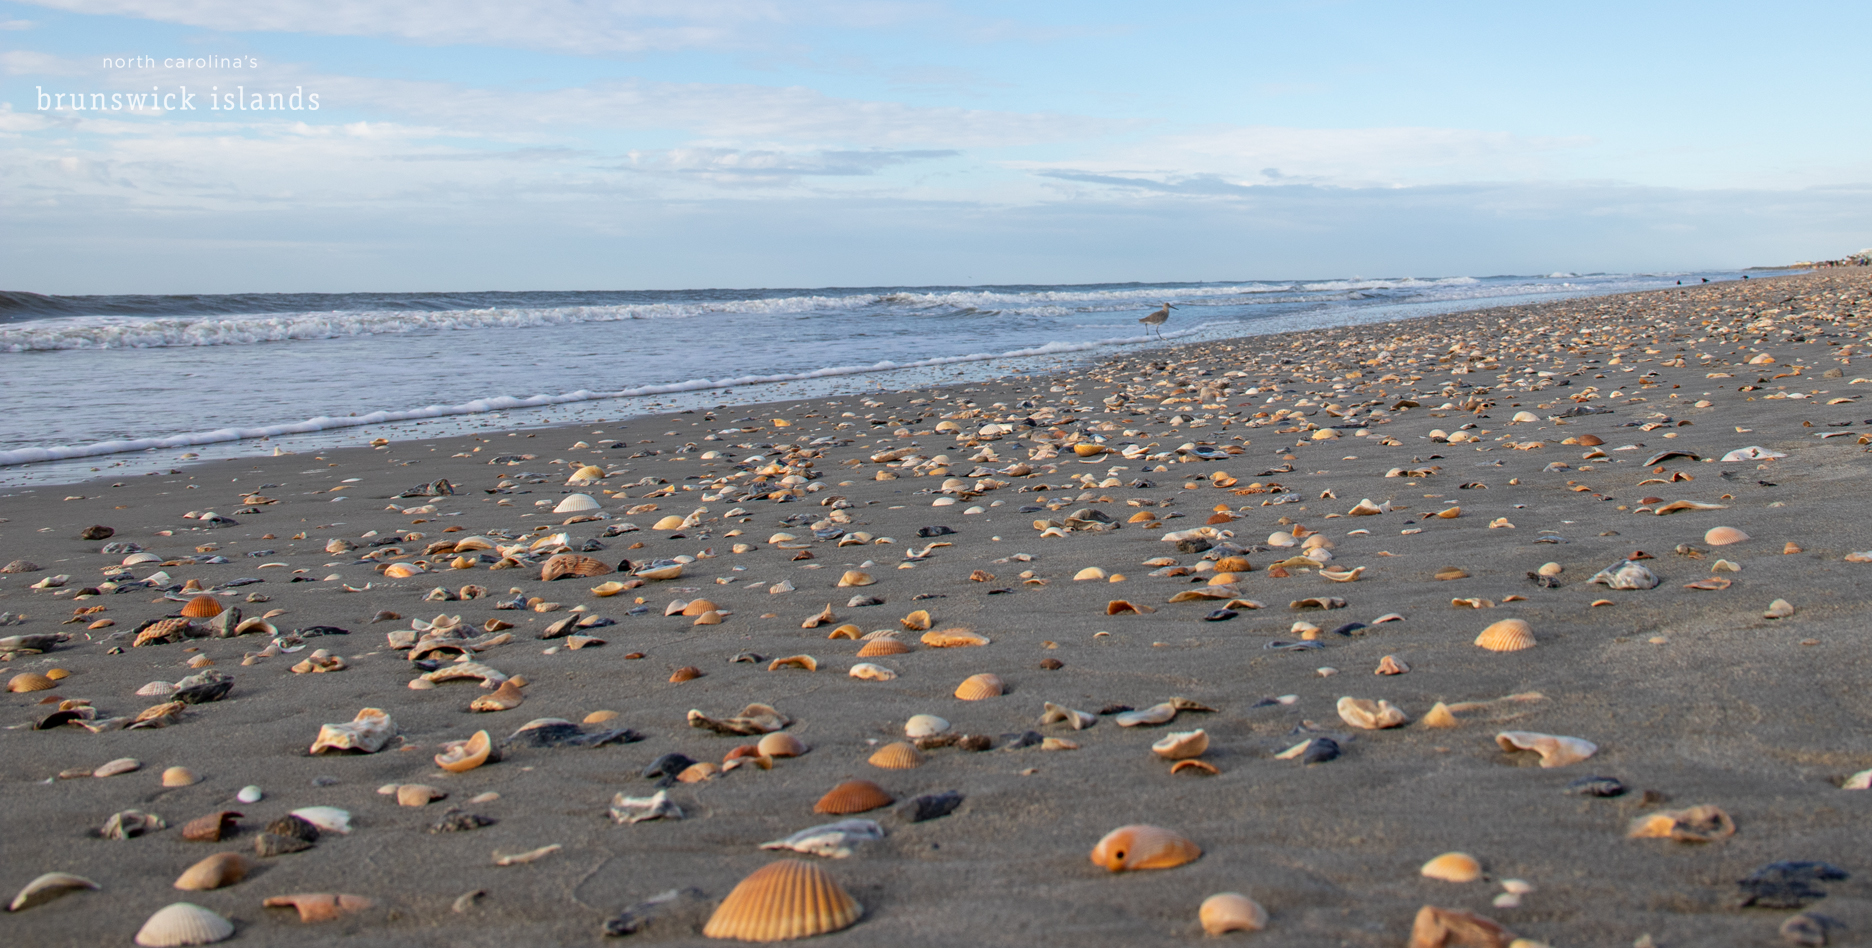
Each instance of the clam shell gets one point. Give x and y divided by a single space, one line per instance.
925 725
1181 745
1144 847
220 869
853 796
781 901
1554 751
1371 715
48 887
183 923
696 607
883 646
780 744
402 570
320 906
954 638
977 687
1723 536
202 607
577 503
671 522
1508 635
897 755
685 673
463 756
120 766
1452 867
29 681
1779 609
571 564
856 578
1231 912
869 672
418 794
1089 573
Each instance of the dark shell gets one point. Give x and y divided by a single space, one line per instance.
273 844
96 533
668 765
1788 884
974 742
294 827
1320 750
929 806
1596 787
205 692
457 822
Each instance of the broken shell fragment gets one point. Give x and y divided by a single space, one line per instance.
505 698
121 765
1779 609
954 638
183 923
1439 715
978 687
781 901
1626 575
1231 912
1450 928
1391 665
1054 713
1144 847
853 796
211 828
1508 635
48 887
324 906
368 732
1371 715
1698 824
868 672
418 794
463 756
1453 867
856 578
794 661
1181 745
1554 751
220 869
918 621
1162 713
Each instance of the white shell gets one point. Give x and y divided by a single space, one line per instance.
576 503
156 689
48 887
925 725
870 672
249 794
326 818
183 923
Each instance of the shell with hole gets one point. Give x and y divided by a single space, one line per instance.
1452 867
1554 750
853 796
782 901
978 687
1371 715
1144 847
462 756
1227 912
1508 635
1181 745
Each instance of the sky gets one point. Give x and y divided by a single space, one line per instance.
644 144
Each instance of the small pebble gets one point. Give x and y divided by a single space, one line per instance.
249 794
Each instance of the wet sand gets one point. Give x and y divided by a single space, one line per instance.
1691 695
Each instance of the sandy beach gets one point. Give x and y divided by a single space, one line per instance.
1445 462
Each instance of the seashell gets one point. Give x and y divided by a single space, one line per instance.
897 755
1448 928
685 673
571 564
325 818
1698 824
954 638
1723 536
1144 847
211 828
781 901
869 672
220 869
1626 575
1181 745
320 906
368 732
202 607
833 840
1203 768
183 923
853 796
463 756
418 794
925 725
824 616
883 646
1371 715
1391 665
1155 714
1452 572
780 744
978 687
1779 609
1452 867
402 570
794 661
846 631
1554 751
1449 513
693 607
130 824
918 621
48 887
608 589
711 617
1231 912
1089 573
20 566
1122 606
856 578
121 765
671 522
29 681
577 503
1079 720
1550 569
1508 635
490 677
1439 715
1365 508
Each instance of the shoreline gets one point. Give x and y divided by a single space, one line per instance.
1688 693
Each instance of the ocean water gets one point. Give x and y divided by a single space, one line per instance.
137 383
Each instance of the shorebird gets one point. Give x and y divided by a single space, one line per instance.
1158 318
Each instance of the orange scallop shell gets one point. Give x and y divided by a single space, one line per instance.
782 901
30 681
202 607
780 744
917 621
698 606
954 638
977 687
1144 847
897 755
569 564
853 796
1508 635
877 647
